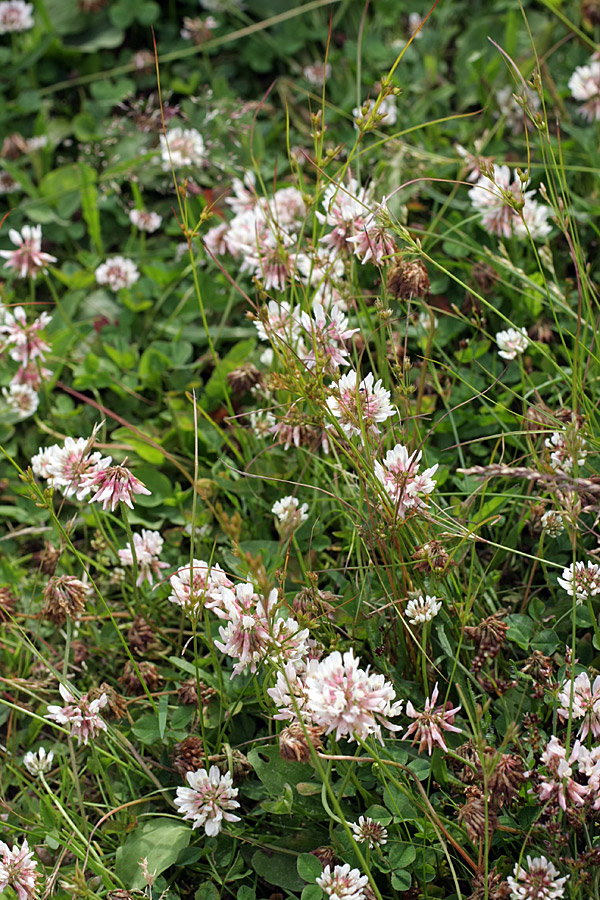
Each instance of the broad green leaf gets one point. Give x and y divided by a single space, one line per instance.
277 869
309 867
160 841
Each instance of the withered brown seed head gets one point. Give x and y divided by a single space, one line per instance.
541 669
90 6
234 762
188 693
313 604
506 779
47 558
64 595
326 856
141 637
408 278
496 888
132 684
293 743
116 706
243 378
79 649
432 557
488 636
8 603
188 756
473 815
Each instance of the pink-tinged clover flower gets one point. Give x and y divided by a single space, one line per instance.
372 240
21 399
113 485
145 220
368 831
422 609
290 515
28 260
581 580
346 207
584 85
117 272
585 704
430 724
66 466
28 345
208 800
399 475
566 447
19 870
343 883
198 584
181 147
148 546
366 404
559 784
350 701
82 715
538 881
498 198
512 342
326 335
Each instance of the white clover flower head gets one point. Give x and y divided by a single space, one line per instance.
290 515
117 272
422 609
182 147
368 831
144 220
407 487
38 763
566 447
148 546
553 523
64 467
28 260
584 85
21 399
538 881
343 883
582 580
511 109
8 184
27 343
82 715
585 703
505 203
208 800
350 701
198 584
15 15
366 404
113 485
317 73
18 869
429 725
512 342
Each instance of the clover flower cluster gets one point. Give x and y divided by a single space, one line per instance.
538 881
118 271
558 784
581 580
566 447
79 471
429 725
336 695
26 346
507 208
406 487
359 406
81 715
148 546
15 15
18 869
584 85
208 800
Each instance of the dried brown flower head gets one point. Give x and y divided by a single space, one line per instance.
432 558
506 778
141 637
243 378
488 636
311 603
496 887
541 670
148 672
232 761
116 706
326 856
294 743
188 756
473 815
189 691
408 278
47 558
64 595
8 603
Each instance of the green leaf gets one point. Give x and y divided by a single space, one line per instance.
311 892
421 768
275 772
163 708
246 893
398 803
546 641
277 869
207 891
309 867
156 482
378 814
401 855
282 805
401 880
160 841
520 630
89 204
